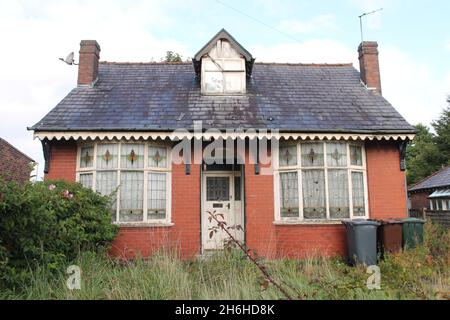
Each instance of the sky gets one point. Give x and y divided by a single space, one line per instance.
413 37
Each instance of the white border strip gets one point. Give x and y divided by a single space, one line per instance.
86 135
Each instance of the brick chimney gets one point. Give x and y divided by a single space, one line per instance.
369 66
88 64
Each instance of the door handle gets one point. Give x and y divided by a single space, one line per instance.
229 206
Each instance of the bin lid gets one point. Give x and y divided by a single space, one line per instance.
391 221
361 222
413 220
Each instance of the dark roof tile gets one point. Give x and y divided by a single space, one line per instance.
137 96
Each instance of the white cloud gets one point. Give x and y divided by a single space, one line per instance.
35 34
322 22
312 51
410 85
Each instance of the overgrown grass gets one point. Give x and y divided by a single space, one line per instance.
420 273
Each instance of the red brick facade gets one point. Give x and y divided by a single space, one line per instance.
14 165
386 190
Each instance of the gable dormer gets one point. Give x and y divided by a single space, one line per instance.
223 66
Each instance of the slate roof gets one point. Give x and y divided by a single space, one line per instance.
166 96
436 180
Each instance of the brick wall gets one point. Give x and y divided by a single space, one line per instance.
63 161
387 198
386 182
14 165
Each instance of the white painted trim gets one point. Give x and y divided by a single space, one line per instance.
145 170
299 169
145 135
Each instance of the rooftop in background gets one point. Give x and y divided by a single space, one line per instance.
438 179
5 144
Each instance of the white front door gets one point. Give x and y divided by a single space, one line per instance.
222 194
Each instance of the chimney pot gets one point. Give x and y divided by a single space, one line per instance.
369 66
88 64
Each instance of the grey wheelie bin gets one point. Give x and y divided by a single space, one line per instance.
362 241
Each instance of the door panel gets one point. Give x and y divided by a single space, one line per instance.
219 197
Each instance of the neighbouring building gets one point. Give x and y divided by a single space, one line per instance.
284 150
431 196
14 164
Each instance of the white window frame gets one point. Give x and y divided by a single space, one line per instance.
299 169
145 170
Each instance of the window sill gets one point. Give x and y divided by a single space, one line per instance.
143 224
309 222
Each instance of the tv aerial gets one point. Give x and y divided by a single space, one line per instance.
70 60
360 21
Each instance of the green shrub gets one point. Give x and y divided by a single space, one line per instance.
47 224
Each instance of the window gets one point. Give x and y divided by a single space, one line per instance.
327 182
135 174
223 70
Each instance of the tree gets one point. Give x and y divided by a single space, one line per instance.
422 155
172 57
442 128
429 152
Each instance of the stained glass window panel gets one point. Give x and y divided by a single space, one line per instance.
337 154
156 194
338 194
356 155
132 156
131 196
157 157
107 156
312 154
313 184
288 156
289 195
86 157
358 194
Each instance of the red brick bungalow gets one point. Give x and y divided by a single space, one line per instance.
284 150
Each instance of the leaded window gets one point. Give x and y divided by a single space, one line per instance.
134 174
328 182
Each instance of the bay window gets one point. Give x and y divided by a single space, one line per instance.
135 174
320 181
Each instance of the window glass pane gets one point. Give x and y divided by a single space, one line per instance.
356 155
157 157
131 196
313 184
132 156
312 154
338 194
86 180
213 82
107 156
234 81
237 188
217 189
337 154
358 194
288 156
156 194
289 195
106 184
86 157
